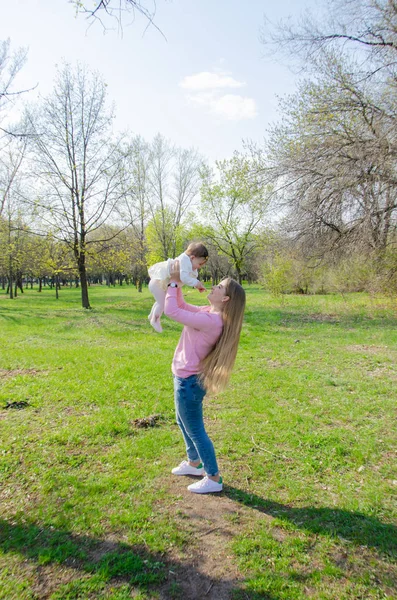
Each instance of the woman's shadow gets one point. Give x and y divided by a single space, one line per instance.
115 563
355 527
139 568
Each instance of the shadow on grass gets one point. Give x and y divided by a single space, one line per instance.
129 567
354 527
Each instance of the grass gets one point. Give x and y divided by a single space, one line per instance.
305 436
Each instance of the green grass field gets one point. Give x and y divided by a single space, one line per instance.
305 437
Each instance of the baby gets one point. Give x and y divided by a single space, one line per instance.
190 261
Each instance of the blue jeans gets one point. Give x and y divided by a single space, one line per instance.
189 396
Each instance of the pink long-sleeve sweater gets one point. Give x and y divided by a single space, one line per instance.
199 335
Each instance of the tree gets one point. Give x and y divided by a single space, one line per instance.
112 255
10 65
334 173
332 157
174 179
12 226
78 169
50 259
161 156
163 221
11 159
135 204
117 9
234 206
364 25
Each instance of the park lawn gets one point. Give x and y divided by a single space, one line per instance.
305 436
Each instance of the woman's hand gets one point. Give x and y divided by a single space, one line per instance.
175 271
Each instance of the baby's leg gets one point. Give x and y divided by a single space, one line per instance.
150 315
159 295
158 307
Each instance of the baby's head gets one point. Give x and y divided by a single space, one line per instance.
198 254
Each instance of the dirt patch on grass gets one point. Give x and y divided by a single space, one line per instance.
274 364
368 349
9 373
48 579
310 318
321 318
383 372
208 569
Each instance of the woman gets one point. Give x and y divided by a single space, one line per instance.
203 360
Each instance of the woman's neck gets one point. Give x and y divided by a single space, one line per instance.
216 309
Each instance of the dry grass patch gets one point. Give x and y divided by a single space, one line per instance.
10 373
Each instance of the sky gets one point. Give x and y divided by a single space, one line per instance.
205 83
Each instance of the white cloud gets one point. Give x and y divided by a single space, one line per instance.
229 106
234 107
207 89
209 81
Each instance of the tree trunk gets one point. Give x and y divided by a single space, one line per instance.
83 282
18 282
10 281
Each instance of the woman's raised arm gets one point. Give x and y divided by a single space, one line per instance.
174 274
176 311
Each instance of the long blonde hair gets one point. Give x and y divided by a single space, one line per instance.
217 366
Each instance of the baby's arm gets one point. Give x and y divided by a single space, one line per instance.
187 279
176 270
185 268
200 286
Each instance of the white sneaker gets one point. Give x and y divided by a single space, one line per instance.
206 486
185 469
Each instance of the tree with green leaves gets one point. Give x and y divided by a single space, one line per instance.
234 204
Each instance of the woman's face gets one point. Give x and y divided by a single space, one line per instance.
217 295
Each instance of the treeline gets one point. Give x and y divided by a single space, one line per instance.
78 199
38 261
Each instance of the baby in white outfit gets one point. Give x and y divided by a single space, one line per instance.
190 261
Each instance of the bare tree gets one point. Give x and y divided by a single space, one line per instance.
78 168
10 65
118 10
135 204
333 154
11 159
335 172
364 25
161 157
187 182
174 178
11 225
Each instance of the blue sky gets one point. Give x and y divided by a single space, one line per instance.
207 85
